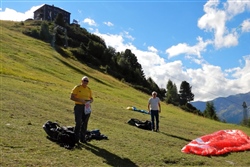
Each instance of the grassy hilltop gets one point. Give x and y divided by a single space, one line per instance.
36 83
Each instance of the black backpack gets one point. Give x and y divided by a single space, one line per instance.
65 136
140 124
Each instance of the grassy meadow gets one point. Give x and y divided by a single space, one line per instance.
36 83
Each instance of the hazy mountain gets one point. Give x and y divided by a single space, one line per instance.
228 108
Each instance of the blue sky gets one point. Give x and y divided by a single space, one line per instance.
206 43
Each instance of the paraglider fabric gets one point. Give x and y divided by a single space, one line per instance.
218 143
138 110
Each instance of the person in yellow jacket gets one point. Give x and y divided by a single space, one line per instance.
82 96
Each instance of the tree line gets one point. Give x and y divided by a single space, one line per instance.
185 96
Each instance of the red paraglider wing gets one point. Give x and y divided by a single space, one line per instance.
218 143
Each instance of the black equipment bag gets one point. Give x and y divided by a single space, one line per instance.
140 124
65 136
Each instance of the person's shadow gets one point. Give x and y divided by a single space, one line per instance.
111 159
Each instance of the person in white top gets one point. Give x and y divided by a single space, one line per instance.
154 108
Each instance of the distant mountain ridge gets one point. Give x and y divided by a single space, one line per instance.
228 108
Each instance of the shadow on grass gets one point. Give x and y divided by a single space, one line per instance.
111 159
178 137
81 71
60 144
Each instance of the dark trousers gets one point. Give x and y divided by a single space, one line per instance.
81 122
154 117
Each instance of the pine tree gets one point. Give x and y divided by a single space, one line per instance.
175 96
168 95
172 96
186 94
44 32
210 112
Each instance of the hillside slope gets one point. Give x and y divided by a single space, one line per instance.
35 85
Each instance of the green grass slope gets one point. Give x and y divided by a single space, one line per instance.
35 87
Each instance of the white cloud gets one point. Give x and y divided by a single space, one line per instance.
198 61
148 59
108 24
90 22
183 48
127 35
114 40
245 71
236 7
209 20
242 77
210 81
245 26
12 15
178 49
152 49
215 19
226 40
